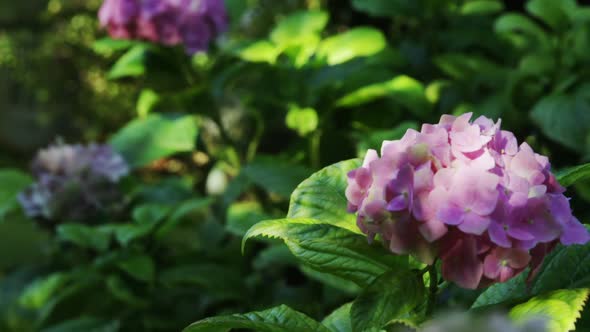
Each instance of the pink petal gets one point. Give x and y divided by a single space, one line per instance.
474 224
433 230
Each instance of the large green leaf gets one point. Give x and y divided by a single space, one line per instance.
278 319
357 42
391 296
155 136
275 175
296 28
560 308
12 182
330 249
322 197
564 119
402 89
572 175
565 267
339 319
513 289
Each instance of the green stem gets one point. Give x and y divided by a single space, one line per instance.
314 147
433 289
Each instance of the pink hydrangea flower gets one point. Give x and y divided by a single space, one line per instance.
193 23
465 192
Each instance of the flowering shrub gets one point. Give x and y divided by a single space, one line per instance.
193 23
467 193
74 182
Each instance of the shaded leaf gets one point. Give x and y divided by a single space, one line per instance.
391 296
84 236
86 324
482 7
564 119
572 175
339 319
278 319
140 267
12 182
241 216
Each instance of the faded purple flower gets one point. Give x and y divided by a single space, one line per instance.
73 182
192 23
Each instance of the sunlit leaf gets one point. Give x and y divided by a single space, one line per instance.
260 51
322 197
357 42
296 28
155 136
302 120
131 64
560 308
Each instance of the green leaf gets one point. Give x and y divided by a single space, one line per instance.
131 64
122 291
187 210
241 216
296 28
37 294
275 175
554 13
145 103
330 249
84 236
155 136
303 120
384 8
86 324
12 182
108 45
140 267
402 89
339 319
574 259
322 197
572 175
513 289
482 7
560 308
564 119
517 23
392 295
357 42
278 319
223 282
260 51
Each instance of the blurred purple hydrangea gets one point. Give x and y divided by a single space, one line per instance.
74 182
193 23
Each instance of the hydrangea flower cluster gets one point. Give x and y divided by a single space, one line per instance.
465 192
74 182
193 23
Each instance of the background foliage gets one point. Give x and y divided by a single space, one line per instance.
219 141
